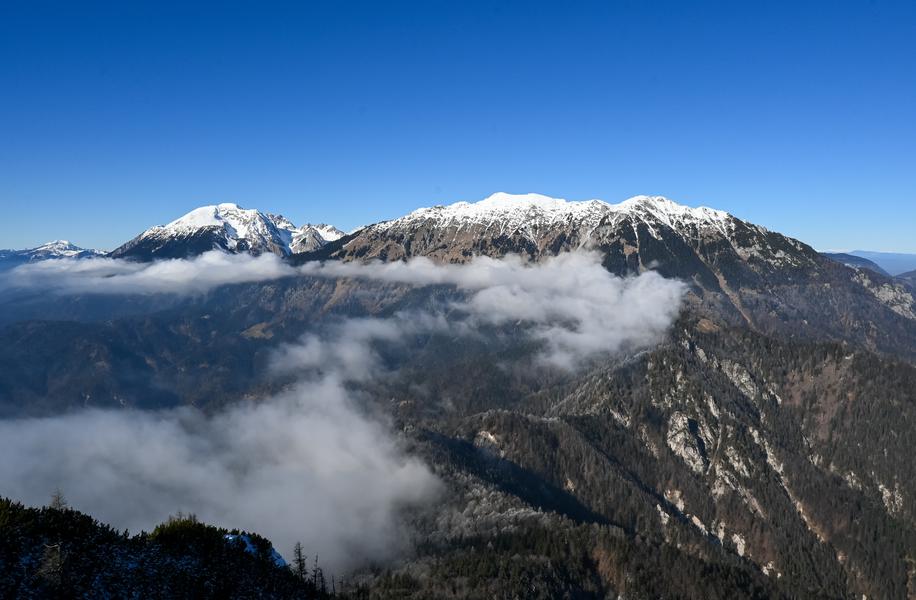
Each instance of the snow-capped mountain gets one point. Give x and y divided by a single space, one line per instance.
59 249
734 268
530 214
50 250
329 232
311 237
539 226
225 227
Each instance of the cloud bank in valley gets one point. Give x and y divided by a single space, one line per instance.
306 465
309 464
173 276
570 302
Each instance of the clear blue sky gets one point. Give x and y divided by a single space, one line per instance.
800 116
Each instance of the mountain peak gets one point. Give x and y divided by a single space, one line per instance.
213 215
513 211
48 250
644 200
661 206
328 232
60 249
508 210
58 244
504 199
229 227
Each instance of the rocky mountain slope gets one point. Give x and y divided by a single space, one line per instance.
734 448
539 226
779 466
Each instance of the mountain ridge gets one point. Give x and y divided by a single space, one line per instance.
736 270
856 262
49 250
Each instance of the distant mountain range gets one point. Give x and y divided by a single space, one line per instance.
55 249
894 263
736 269
529 223
856 262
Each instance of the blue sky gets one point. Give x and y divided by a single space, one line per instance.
800 116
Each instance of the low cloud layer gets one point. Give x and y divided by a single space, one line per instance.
570 302
118 276
309 464
306 465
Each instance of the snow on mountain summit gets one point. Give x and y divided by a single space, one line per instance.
311 237
59 249
502 222
238 222
536 226
328 232
227 227
512 212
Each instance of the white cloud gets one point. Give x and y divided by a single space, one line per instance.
309 465
570 302
347 347
174 276
306 465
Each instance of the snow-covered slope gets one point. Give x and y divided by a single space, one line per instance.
510 212
311 237
227 227
328 232
530 212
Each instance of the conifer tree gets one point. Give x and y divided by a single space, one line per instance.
300 566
